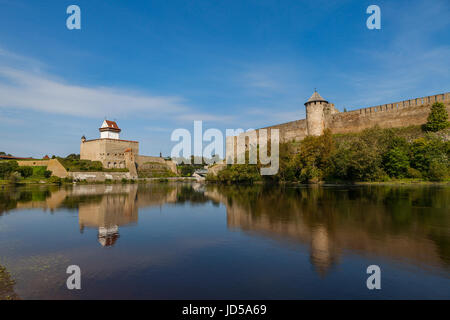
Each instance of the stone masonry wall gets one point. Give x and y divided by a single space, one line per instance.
53 165
397 114
100 176
109 151
141 160
392 115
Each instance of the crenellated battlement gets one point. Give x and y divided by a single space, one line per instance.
428 100
320 115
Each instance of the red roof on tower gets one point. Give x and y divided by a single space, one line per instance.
110 126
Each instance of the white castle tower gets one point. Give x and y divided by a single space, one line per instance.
109 130
315 117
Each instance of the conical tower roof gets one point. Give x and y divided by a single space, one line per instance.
316 97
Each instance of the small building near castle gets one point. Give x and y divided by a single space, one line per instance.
114 152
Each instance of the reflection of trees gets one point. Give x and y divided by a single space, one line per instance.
385 220
409 222
7 286
188 194
10 197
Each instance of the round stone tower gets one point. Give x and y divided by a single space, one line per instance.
315 118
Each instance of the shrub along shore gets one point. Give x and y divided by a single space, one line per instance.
373 155
408 154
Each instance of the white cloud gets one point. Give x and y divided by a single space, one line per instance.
36 91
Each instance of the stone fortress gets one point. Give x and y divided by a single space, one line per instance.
321 115
113 152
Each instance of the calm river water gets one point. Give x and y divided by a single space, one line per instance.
196 241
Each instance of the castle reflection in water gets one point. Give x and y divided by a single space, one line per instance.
381 221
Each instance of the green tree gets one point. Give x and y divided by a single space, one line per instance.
429 155
26 171
72 156
396 162
396 158
7 167
239 173
47 173
14 177
314 157
438 171
438 118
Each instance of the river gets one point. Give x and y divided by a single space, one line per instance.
197 241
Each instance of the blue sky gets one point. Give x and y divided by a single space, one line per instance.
159 65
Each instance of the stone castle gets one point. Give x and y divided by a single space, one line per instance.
113 152
321 115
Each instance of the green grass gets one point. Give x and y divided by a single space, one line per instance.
75 165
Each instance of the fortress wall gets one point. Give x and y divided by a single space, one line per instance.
57 168
289 131
33 163
141 160
109 151
397 114
293 130
100 176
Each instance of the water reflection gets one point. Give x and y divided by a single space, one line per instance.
400 223
409 224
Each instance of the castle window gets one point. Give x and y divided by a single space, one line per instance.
115 165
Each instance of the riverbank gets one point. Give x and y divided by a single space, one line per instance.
53 181
57 181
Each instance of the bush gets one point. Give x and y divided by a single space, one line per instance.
38 171
47 173
438 171
7 167
67 179
72 163
55 180
357 161
14 177
413 173
187 170
239 173
372 155
72 156
426 150
437 119
396 162
25 171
